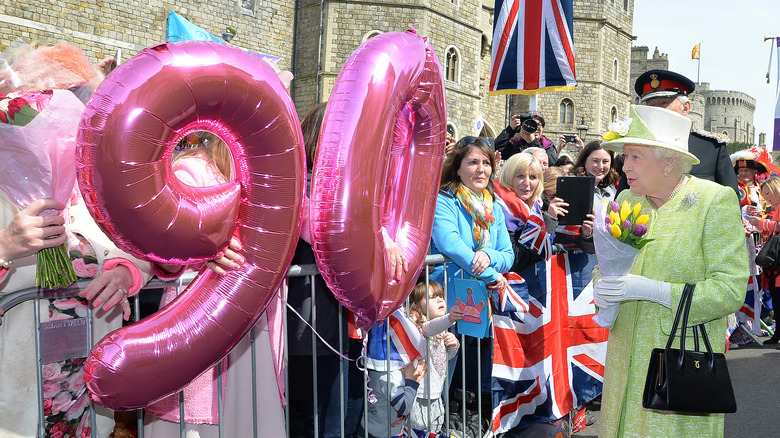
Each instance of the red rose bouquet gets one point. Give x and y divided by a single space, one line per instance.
37 142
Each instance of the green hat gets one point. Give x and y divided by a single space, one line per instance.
651 126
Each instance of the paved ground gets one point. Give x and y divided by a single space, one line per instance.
755 374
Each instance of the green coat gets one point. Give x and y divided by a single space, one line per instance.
698 238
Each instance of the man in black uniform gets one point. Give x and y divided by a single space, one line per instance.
670 90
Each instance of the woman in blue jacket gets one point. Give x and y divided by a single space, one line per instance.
469 229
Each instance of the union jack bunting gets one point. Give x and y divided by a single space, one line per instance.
548 353
533 49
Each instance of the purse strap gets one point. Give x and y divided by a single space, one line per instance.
684 308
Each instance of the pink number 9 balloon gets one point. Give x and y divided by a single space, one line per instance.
378 166
127 135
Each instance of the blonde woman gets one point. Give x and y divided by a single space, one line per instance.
770 190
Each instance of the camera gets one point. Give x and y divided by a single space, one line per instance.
530 126
570 138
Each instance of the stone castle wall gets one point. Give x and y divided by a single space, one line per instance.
602 35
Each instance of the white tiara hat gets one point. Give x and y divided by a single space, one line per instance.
650 126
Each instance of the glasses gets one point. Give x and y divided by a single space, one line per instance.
465 141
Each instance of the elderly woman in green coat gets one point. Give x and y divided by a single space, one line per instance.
697 237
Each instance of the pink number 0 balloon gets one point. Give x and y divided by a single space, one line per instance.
378 165
126 138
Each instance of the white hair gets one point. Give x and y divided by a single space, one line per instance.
684 162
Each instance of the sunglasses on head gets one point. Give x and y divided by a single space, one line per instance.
465 141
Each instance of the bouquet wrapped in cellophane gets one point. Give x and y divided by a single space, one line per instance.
618 235
37 144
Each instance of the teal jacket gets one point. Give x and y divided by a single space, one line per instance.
452 237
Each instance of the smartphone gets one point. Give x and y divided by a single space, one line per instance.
570 138
577 191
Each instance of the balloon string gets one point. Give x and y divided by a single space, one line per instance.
318 335
362 359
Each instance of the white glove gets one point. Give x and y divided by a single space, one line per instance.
607 316
612 290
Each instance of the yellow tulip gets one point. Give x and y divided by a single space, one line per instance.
616 233
614 218
625 209
637 209
642 220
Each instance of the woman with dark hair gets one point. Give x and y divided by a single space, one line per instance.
599 162
469 229
565 163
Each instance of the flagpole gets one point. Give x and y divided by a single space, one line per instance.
698 71
771 51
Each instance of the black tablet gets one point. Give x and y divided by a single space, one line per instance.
577 191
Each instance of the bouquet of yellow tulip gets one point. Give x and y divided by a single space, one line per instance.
618 234
628 224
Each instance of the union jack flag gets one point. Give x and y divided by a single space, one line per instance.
406 343
532 47
529 220
548 353
750 312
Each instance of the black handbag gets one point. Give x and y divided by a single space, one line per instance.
769 256
688 381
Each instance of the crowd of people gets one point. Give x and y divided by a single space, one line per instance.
498 211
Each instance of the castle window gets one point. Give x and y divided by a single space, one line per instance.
248 4
625 4
566 111
613 114
452 69
615 70
370 34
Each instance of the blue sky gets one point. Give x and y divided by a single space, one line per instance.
734 55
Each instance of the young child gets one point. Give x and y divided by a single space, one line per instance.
403 368
429 312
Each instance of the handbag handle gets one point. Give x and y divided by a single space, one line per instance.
684 304
685 308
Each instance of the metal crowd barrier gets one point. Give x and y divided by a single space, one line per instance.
7 302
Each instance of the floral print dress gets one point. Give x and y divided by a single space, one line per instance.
65 397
